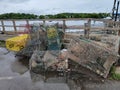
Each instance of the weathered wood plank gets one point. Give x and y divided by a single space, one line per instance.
109 24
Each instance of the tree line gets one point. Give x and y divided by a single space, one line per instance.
60 15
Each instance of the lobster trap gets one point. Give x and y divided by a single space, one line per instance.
91 56
42 38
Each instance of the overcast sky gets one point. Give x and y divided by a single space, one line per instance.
55 6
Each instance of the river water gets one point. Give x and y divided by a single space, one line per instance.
68 23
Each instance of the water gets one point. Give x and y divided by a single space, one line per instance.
68 23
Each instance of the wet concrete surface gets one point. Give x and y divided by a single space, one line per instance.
14 75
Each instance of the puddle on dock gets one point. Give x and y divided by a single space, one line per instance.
15 72
20 66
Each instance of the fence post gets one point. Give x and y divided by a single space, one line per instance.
87 29
64 25
27 21
28 26
14 25
3 27
43 21
118 43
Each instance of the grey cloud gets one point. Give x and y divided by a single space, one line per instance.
14 1
55 6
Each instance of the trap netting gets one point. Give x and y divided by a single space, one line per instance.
92 56
42 37
37 40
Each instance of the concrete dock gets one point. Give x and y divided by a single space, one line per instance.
14 75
